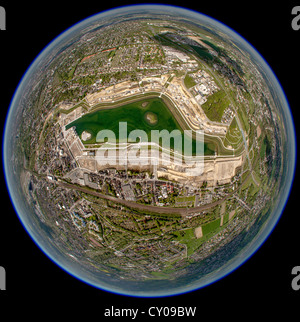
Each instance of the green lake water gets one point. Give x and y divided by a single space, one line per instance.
134 114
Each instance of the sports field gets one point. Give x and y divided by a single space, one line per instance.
146 114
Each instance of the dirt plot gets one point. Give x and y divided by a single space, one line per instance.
222 220
258 131
198 232
231 214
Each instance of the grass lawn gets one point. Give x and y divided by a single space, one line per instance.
215 106
189 81
210 229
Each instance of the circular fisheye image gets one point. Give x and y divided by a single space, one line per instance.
149 150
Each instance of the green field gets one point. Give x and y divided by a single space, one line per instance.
189 81
209 230
215 106
135 114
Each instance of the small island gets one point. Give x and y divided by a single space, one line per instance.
86 135
151 118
